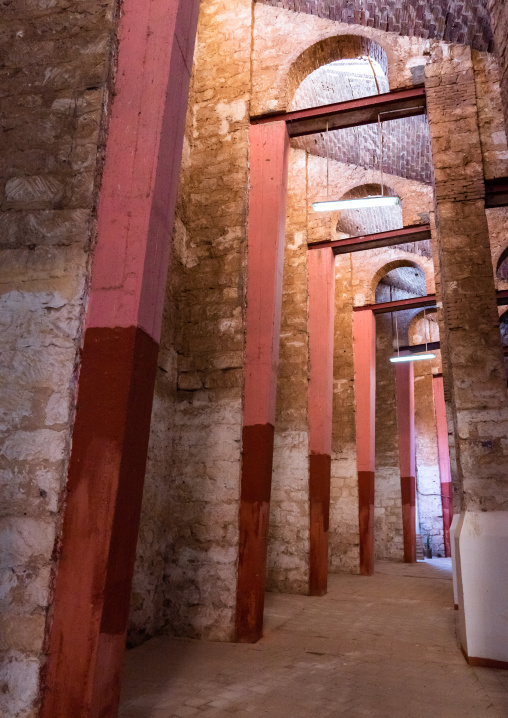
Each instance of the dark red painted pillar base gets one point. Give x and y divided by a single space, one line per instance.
257 461
366 516
408 492
319 500
103 506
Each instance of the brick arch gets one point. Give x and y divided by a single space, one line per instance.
395 264
379 219
330 49
414 321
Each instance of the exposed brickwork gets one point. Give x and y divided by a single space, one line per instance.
54 88
282 58
467 288
400 147
499 20
289 516
452 21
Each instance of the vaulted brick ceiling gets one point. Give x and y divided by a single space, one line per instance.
405 142
461 21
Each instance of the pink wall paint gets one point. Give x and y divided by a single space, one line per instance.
269 145
321 272
444 460
143 156
442 430
364 337
405 396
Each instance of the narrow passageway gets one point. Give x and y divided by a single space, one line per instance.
373 646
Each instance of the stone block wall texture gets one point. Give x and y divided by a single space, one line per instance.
475 361
499 21
185 579
288 540
54 89
54 92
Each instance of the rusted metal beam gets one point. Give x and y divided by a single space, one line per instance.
502 297
417 348
496 192
353 113
413 233
399 304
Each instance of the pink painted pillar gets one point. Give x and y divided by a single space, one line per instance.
444 459
364 337
321 273
405 398
269 145
88 621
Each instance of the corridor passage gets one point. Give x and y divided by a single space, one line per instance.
381 646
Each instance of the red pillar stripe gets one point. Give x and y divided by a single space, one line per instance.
444 460
404 386
269 146
321 281
364 337
87 625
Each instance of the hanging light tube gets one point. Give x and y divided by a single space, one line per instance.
412 357
335 205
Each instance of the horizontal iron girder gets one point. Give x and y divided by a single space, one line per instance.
353 113
413 233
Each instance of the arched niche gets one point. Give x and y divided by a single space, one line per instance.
400 279
423 327
369 220
329 50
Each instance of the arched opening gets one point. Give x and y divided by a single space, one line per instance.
347 68
369 220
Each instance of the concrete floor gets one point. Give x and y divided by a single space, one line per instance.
381 646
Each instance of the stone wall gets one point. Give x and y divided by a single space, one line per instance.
289 511
185 580
499 21
475 361
54 90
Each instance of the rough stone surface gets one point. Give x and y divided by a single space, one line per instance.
475 360
185 579
499 22
250 59
53 93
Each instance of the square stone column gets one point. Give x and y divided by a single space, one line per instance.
472 346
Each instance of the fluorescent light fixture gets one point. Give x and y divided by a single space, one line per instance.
334 205
412 357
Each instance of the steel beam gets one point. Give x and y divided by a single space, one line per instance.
399 305
352 113
417 348
496 192
413 233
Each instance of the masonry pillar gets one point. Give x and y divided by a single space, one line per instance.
321 273
405 401
444 459
87 625
364 348
475 359
269 145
